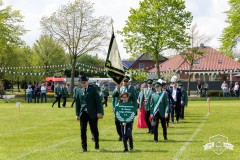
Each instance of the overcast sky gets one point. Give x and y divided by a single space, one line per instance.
207 14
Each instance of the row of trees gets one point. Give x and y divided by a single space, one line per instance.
73 31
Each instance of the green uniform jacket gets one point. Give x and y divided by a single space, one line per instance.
132 95
89 102
147 94
105 92
184 97
64 91
57 91
163 105
141 98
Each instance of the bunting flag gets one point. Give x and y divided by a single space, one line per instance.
113 63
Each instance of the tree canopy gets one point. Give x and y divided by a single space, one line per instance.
231 35
156 26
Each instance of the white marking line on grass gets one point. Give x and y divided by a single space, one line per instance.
54 145
179 153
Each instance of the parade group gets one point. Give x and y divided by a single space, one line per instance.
156 102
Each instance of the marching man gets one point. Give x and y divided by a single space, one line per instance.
159 110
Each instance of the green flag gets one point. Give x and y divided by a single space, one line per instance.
113 62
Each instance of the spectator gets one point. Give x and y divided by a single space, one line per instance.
199 88
43 92
224 88
205 87
231 89
29 94
236 89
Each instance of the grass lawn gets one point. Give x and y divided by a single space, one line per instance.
44 133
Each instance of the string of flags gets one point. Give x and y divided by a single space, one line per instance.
95 70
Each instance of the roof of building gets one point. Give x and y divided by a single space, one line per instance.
211 60
128 64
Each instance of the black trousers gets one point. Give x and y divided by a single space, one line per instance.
118 127
57 100
177 110
147 115
169 112
84 119
73 102
163 123
127 135
105 101
64 101
182 111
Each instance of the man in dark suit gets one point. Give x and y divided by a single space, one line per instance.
88 109
176 95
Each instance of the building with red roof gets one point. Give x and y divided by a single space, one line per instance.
211 66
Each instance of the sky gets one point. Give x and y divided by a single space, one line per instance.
207 14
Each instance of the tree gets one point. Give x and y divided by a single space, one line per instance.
77 29
49 52
156 26
11 31
192 53
231 35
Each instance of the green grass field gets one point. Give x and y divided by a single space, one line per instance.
44 133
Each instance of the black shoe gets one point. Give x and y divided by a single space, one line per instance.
120 139
97 147
125 150
155 140
52 106
84 150
131 148
165 138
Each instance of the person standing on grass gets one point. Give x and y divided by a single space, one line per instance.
224 88
205 87
176 95
126 127
29 93
57 95
184 100
236 89
159 110
170 100
105 94
131 99
147 93
64 93
88 109
74 95
43 92
141 123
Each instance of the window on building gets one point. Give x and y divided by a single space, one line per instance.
219 61
196 61
141 66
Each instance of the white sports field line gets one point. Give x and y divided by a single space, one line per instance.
182 149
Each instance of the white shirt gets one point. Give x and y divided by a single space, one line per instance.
43 89
174 94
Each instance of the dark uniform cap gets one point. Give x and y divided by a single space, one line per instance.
127 78
149 81
157 84
83 78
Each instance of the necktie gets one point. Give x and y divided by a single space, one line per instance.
85 92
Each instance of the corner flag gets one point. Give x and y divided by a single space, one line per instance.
113 62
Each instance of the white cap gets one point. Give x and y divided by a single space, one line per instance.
174 79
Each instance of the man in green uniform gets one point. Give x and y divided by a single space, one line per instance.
147 93
64 94
88 109
159 110
57 94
